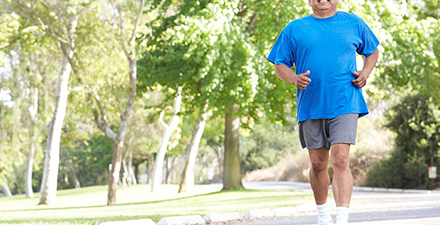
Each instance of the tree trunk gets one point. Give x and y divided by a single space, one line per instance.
187 181
125 179
136 173
167 170
122 132
29 165
125 117
131 173
147 170
32 145
232 176
128 178
114 173
52 158
158 165
5 190
73 174
219 152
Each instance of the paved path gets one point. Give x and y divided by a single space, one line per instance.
368 207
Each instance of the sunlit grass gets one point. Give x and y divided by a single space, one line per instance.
88 205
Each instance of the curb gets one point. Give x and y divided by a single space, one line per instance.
258 214
221 218
176 220
131 222
394 190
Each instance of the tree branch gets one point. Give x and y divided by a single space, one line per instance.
104 124
30 16
133 34
121 36
161 120
251 23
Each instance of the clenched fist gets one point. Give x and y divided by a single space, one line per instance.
301 80
361 79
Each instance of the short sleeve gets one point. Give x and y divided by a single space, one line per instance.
369 41
282 51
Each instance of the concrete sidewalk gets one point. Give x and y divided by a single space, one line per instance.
300 186
428 221
369 206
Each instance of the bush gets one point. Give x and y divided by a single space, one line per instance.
266 144
417 125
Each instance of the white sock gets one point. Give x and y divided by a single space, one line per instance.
341 215
324 217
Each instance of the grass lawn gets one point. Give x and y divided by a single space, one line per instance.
88 205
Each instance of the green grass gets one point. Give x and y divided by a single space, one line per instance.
88 205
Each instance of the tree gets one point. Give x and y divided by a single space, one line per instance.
169 128
58 20
411 52
127 41
22 80
187 181
5 189
216 52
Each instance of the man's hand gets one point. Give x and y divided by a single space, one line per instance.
301 80
361 79
286 74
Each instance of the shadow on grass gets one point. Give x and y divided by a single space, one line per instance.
149 202
82 220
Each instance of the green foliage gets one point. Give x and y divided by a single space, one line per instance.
216 50
266 144
416 122
92 159
21 72
411 46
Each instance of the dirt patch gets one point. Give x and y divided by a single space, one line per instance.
290 168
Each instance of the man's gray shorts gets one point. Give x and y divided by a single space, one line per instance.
320 133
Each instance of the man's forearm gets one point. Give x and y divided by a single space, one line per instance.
370 62
284 73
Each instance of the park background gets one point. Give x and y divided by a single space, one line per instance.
134 101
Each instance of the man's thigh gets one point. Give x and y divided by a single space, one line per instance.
342 129
312 134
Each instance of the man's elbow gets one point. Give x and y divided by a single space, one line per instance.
375 54
279 68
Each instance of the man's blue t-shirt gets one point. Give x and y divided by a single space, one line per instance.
327 47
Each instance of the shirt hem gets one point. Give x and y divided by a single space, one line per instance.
331 116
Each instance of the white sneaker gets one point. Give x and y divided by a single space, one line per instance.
325 222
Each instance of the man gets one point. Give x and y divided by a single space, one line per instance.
323 47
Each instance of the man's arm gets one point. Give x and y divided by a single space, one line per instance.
369 64
286 74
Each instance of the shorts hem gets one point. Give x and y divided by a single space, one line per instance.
344 142
319 146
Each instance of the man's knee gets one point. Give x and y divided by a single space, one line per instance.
319 166
341 162
340 157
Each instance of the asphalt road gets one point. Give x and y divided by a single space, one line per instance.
368 207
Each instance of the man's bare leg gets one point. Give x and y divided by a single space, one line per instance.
320 181
319 178
342 184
